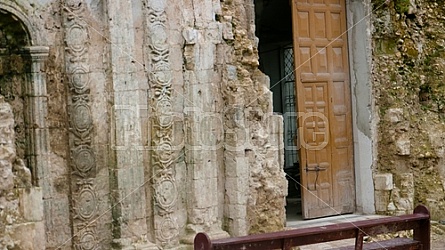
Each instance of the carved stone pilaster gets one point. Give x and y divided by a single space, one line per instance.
204 127
82 156
36 113
160 75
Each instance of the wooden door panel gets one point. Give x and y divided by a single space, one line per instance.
344 189
320 25
323 97
340 111
303 24
337 60
314 121
304 55
321 60
335 25
317 180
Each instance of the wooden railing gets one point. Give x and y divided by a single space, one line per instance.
419 222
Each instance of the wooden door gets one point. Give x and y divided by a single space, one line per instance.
323 100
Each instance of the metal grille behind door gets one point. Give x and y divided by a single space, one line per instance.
289 111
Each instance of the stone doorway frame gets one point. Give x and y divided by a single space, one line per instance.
35 112
364 117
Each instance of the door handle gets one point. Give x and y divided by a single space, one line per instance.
317 170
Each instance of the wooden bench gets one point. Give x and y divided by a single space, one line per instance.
419 221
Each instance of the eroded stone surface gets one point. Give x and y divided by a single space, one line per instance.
408 70
21 215
156 118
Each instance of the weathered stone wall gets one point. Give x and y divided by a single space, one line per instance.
146 122
12 82
254 139
21 205
409 91
249 97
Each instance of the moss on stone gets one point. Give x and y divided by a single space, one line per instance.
386 46
411 79
402 6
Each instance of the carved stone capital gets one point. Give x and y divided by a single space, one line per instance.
36 53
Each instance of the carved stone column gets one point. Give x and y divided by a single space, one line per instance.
165 190
204 121
36 103
84 196
37 134
129 204
129 213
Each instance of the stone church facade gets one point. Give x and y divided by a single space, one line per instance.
135 124
140 124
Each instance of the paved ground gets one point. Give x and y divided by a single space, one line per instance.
295 221
438 245
437 236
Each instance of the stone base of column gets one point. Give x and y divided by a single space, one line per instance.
213 234
127 244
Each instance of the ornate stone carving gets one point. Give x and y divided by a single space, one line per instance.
79 80
76 38
164 113
167 230
160 76
83 160
85 202
86 238
166 192
81 117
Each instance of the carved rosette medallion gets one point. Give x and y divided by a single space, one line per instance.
168 230
81 117
160 76
166 192
83 160
87 239
79 80
85 202
76 38
164 113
